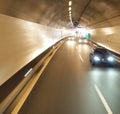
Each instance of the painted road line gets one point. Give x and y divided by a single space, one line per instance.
31 84
29 87
103 100
81 58
79 54
76 47
28 72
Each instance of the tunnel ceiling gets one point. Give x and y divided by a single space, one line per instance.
54 13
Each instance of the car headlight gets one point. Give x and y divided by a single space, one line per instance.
96 58
80 41
85 41
110 58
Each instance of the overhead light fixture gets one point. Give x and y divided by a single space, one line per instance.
70 12
70 3
69 8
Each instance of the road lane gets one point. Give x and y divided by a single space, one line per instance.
108 81
67 85
103 100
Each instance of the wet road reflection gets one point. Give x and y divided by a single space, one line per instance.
71 85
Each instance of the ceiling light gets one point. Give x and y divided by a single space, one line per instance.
70 12
69 8
70 3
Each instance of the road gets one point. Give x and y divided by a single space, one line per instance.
70 85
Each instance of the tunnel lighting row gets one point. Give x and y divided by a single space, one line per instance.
70 10
70 3
28 72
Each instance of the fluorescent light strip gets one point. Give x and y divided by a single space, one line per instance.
70 12
28 72
69 9
70 3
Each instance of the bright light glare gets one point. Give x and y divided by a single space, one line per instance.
70 3
70 12
48 42
36 53
96 58
69 8
111 59
71 38
85 41
30 25
83 32
80 40
70 43
28 72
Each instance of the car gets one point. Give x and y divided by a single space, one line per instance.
83 41
101 56
71 38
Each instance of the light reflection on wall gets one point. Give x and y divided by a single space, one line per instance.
25 41
36 53
108 31
71 43
106 76
92 32
105 46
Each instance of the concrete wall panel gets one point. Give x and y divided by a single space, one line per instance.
20 42
108 37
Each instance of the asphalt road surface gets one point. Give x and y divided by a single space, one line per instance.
70 85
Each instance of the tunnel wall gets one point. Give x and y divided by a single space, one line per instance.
107 33
108 37
20 42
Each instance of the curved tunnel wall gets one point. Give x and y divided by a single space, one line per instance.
20 42
108 36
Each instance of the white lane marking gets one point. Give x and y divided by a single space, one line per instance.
79 55
76 48
28 72
103 100
81 58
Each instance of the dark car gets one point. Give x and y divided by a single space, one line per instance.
83 41
101 56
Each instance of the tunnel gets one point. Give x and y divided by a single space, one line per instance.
33 32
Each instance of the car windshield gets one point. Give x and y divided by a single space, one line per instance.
100 51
